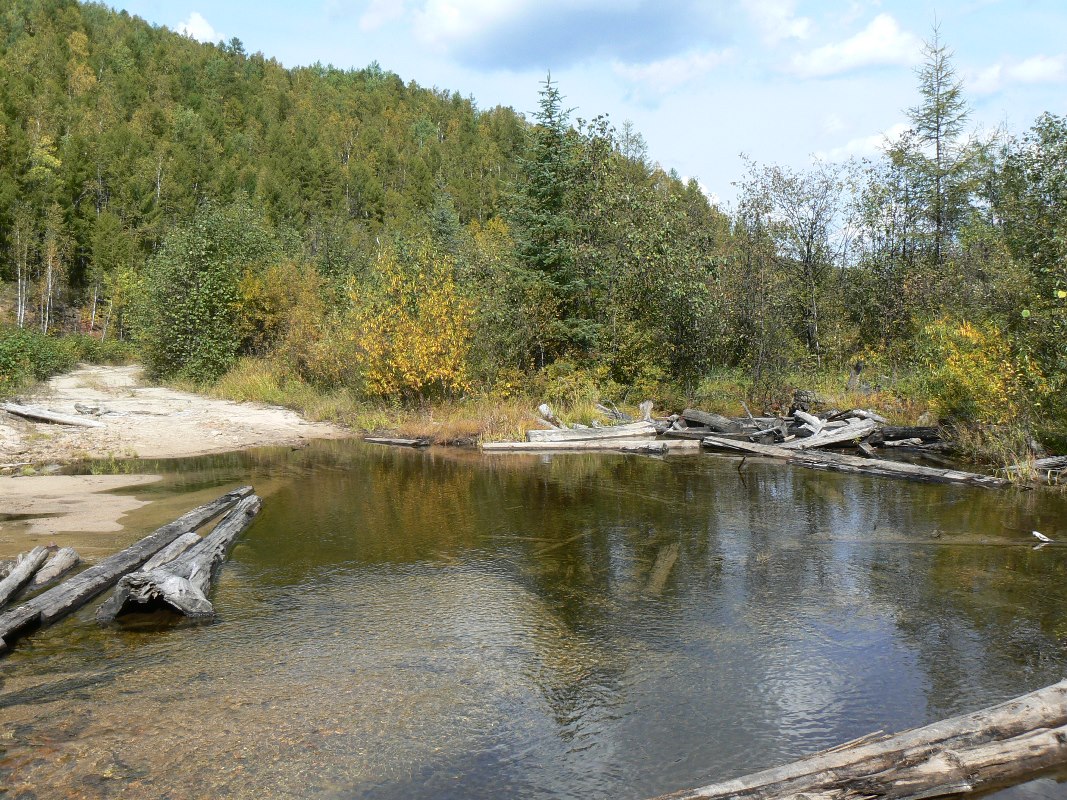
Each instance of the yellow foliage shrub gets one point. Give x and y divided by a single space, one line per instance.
972 373
411 329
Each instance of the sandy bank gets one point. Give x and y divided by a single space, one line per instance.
139 421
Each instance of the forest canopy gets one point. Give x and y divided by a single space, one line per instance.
400 243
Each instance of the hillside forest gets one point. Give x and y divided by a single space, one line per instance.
215 214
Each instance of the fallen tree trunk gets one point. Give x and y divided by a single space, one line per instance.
21 573
991 747
890 433
632 430
397 442
62 561
839 462
182 585
44 415
606 444
57 602
716 422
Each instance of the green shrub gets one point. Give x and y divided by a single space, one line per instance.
27 356
187 316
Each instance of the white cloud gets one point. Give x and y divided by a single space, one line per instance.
667 74
447 22
1036 69
196 27
777 20
865 145
882 42
380 13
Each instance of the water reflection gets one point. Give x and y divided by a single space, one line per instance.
436 624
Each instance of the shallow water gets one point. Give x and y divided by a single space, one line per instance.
402 624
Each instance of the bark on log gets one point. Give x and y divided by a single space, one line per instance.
44 415
839 462
604 444
21 573
62 561
714 421
182 585
57 602
997 745
631 430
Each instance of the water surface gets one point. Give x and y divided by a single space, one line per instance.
402 624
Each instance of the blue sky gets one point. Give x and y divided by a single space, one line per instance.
779 80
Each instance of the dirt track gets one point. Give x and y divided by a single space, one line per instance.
145 421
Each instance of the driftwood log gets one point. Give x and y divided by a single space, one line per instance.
57 602
21 573
595 444
632 430
716 422
62 561
44 415
839 462
397 442
182 585
890 433
995 746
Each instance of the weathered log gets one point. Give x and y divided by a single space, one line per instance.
889 433
21 573
57 602
997 745
826 438
1040 465
44 415
839 462
601 444
716 422
614 413
182 585
866 449
814 424
62 561
422 442
171 551
645 448
549 416
632 430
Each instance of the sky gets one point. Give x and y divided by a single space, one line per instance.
704 81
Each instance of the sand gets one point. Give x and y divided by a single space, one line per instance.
139 421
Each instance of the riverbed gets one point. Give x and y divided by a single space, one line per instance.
447 624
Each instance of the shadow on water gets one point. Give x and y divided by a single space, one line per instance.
448 624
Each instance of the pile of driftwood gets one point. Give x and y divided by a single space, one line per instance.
794 438
172 568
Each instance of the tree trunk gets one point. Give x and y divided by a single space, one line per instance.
632 430
601 444
182 585
971 752
839 462
714 421
44 415
63 561
57 602
21 573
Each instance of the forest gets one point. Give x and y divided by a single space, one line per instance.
287 232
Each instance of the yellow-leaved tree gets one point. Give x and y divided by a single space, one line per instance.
411 327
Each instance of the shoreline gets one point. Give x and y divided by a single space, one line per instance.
140 421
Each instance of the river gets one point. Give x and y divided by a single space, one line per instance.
443 624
